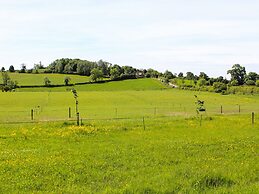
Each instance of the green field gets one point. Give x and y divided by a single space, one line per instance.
138 136
25 79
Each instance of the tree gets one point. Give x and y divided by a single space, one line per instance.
2 69
115 73
11 68
219 87
5 78
96 74
23 68
251 76
169 75
190 76
203 76
47 82
238 73
67 80
202 82
8 84
180 75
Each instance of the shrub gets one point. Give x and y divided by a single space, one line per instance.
250 82
219 87
257 83
234 83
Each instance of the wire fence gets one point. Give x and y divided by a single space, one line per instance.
49 114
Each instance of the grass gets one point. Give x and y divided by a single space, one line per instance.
25 79
116 151
121 104
173 155
135 85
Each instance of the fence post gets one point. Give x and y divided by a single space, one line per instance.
239 108
221 109
253 118
201 120
69 112
155 111
144 126
77 118
31 114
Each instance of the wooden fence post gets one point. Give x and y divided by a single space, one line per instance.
221 109
253 118
77 118
69 112
144 126
31 114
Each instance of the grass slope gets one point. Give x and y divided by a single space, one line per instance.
25 79
173 155
135 84
16 106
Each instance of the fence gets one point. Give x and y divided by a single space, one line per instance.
36 114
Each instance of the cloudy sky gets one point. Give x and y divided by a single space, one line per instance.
186 35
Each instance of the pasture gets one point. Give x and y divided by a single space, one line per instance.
26 79
137 137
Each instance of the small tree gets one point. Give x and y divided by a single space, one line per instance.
8 84
199 105
47 82
67 80
23 68
76 98
96 74
2 69
11 68
115 73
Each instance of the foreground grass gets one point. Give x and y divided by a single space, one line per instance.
171 155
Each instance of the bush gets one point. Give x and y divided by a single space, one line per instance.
250 82
234 83
219 87
257 83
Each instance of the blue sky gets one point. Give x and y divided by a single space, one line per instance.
186 35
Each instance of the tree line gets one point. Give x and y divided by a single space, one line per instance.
102 69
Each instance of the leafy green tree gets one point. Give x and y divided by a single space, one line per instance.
8 84
238 73
2 69
190 76
47 82
96 74
169 75
180 75
252 76
219 87
67 80
250 82
11 68
203 76
202 82
234 83
23 68
115 73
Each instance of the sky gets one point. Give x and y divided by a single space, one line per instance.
176 35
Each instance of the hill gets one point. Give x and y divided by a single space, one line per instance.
135 84
26 79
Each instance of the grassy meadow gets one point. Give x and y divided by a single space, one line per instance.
27 79
117 151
